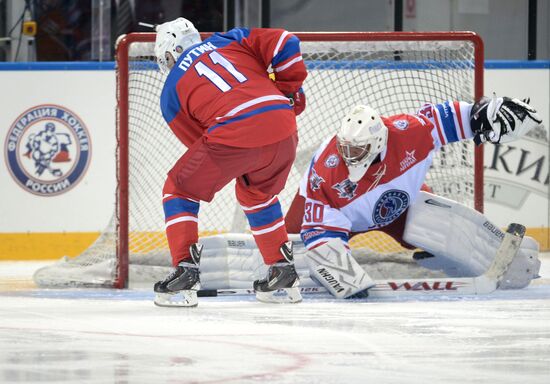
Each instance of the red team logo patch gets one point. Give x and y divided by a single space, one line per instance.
332 161
47 150
401 124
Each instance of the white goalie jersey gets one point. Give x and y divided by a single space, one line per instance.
337 207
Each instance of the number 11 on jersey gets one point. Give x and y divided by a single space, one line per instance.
217 59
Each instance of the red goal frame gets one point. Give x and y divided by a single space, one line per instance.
122 51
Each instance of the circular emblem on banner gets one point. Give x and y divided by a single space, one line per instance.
389 206
332 161
47 150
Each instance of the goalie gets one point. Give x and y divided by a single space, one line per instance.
369 177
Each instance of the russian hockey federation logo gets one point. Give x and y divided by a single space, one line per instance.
332 161
47 150
315 180
346 189
389 206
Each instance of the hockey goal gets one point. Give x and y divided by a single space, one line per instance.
392 72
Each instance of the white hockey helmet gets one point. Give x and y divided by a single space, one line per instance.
362 136
174 37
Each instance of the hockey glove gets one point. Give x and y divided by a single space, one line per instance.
298 101
502 119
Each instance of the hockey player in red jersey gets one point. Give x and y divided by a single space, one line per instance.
237 124
369 177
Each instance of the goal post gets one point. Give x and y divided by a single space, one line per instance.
394 72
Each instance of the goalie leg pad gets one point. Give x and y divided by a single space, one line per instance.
463 241
333 266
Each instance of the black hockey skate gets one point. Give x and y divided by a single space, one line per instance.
179 288
281 283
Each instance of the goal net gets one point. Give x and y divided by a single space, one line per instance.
392 72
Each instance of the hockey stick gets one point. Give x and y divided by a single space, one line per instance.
480 285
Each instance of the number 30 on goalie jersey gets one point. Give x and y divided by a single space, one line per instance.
314 212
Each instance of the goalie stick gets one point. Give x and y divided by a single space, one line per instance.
480 285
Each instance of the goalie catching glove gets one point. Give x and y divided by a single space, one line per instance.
502 119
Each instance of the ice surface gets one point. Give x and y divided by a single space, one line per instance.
111 336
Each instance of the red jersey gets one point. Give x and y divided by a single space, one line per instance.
220 88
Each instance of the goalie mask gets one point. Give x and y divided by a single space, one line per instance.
362 136
173 38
